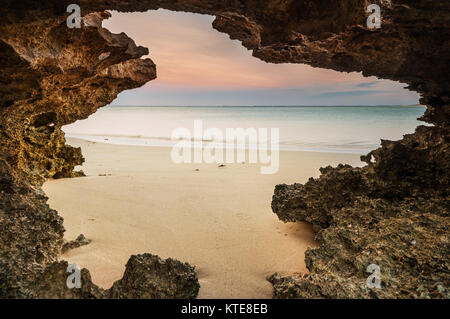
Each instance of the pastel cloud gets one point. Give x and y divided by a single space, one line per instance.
194 59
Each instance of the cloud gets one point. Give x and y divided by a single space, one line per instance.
350 93
366 84
194 96
199 65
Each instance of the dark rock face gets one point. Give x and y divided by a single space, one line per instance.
51 283
406 237
146 276
393 212
149 277
31 234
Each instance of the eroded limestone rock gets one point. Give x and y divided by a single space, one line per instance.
52 76
149 277
146 276
81 240
393 213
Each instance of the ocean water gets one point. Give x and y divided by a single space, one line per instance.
342 129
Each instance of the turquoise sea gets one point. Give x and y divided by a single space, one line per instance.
349 129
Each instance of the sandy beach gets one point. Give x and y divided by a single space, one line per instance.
134 200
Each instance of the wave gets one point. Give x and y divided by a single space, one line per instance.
354 147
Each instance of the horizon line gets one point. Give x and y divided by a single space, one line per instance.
305 105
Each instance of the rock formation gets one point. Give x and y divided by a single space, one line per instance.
81 240
148 276
393 212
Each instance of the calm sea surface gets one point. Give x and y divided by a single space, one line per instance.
349 129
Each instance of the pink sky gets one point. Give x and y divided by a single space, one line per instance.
198 65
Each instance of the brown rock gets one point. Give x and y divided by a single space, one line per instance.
53 76
149 277
78 242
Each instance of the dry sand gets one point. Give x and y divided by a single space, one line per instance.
217 219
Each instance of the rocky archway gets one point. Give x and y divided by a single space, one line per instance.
393 212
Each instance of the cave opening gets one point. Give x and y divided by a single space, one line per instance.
136 200
217 217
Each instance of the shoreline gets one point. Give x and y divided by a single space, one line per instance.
167 142
134 200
